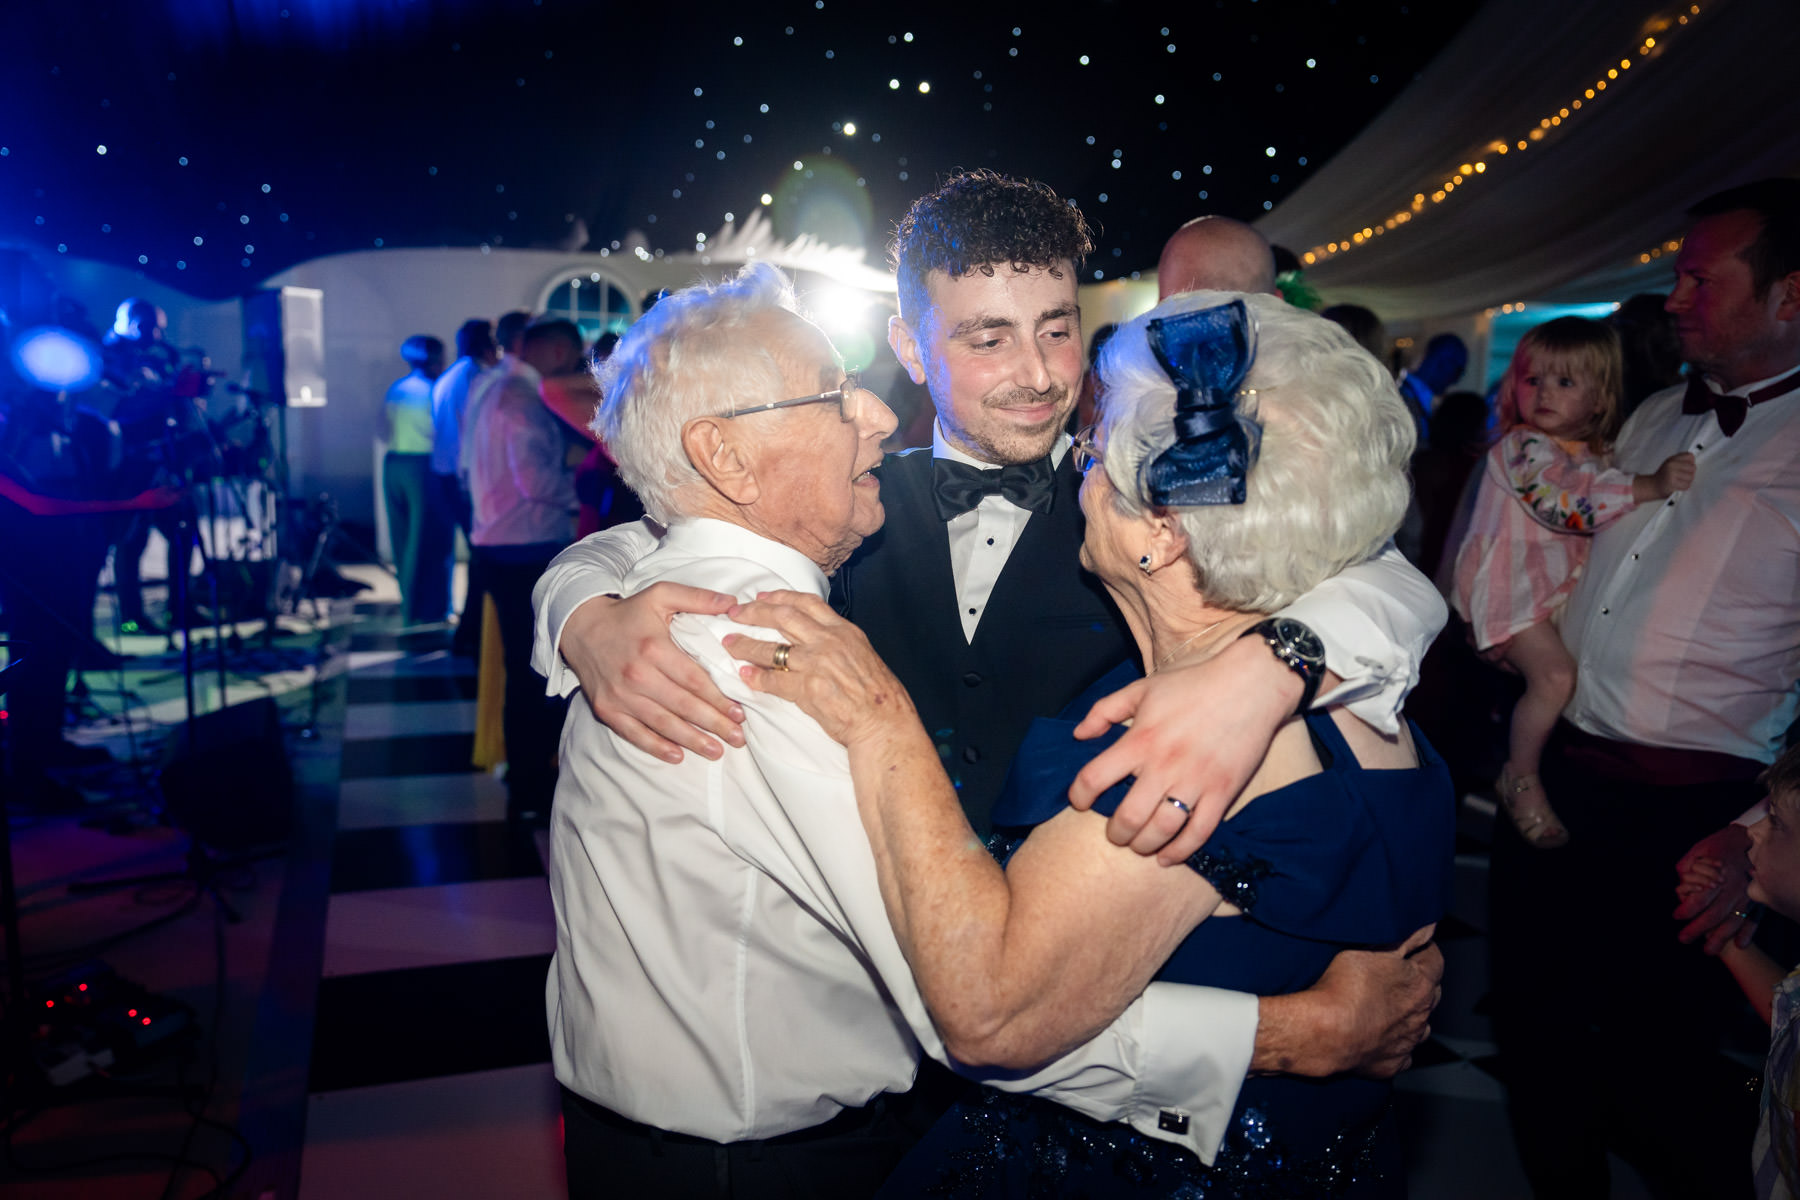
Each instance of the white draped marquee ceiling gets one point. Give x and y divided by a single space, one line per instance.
1628 112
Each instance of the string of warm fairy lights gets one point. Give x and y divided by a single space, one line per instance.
1651 45
1661 250
1656 252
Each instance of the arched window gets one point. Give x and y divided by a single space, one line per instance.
593 300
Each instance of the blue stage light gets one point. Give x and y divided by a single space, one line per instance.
56 360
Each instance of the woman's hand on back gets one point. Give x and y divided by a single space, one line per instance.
831 671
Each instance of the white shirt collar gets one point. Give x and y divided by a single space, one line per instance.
1747 388
941 448
709 537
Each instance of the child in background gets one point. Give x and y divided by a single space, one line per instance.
1775 993
1546 488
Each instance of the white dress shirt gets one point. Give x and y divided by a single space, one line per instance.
1686 624
724 965
982 539
521 487
449 399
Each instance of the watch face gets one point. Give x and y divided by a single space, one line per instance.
1302 642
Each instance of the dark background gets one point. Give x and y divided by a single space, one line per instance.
311 127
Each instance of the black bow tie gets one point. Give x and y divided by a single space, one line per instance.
960 487
1731 409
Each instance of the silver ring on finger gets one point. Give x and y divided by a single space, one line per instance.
1186 812
781 656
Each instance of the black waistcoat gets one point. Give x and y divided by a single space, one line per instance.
1049 630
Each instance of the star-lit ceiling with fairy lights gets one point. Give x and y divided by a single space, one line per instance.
212 143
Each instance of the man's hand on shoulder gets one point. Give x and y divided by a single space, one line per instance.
639 683
1367 1014
1198 734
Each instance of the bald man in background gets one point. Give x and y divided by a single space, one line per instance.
1217 253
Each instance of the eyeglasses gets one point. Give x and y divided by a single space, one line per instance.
1086 453
847 396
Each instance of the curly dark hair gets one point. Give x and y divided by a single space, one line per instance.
979 220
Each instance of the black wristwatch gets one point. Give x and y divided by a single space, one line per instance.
1299 649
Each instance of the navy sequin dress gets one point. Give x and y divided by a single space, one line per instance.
1347 858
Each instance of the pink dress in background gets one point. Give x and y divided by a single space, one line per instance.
1538 503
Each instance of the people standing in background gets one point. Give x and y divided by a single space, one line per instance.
1443 363
1651 347
1367 328
1215 254
418 523
1441 472
508 331
140 371
523 492
476 353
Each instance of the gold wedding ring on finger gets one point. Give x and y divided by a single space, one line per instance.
781 656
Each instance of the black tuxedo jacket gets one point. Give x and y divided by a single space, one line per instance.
1049 631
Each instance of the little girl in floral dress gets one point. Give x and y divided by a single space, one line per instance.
1546 487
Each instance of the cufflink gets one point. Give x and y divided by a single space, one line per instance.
1170 1121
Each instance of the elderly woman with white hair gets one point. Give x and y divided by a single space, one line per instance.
1246 450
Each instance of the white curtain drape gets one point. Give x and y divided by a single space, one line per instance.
1711 105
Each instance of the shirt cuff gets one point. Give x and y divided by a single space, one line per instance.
1755 813
1200 1042
1170 1066
1377 618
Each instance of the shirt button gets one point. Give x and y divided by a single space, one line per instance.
1606 612
972 679
990 541
971 612
1634 556
971 754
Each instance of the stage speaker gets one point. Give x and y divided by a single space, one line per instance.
228 781
284 345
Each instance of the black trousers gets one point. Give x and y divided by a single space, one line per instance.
455 501
846 1158
420 529
49 573
129 549
1608 1027
533 721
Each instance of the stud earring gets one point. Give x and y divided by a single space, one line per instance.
1144 564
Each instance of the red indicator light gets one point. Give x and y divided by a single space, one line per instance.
146 1020
131 1012
49 1004
81 987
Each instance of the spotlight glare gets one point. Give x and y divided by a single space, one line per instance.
56 360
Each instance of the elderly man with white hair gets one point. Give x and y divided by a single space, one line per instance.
729 1007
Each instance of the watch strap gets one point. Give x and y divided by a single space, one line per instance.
1311 674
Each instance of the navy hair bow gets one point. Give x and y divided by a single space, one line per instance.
1206 353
